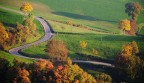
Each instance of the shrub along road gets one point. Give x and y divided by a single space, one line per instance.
47 36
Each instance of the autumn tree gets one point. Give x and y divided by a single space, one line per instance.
42 65
72 73
22 76
3 36
104 78
30 26
26 7
127 64
133 25
133 9
83 44
125 25
21 35
57 50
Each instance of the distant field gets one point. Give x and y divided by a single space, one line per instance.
101 10
99 14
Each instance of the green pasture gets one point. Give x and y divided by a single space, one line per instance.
107 45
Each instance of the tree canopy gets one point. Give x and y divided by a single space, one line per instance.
26 7
133 9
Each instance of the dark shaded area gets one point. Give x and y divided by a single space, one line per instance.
68 33
104 69
93 58
3 12
100 29
77 16
9 24
122 38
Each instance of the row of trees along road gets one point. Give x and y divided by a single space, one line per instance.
20 33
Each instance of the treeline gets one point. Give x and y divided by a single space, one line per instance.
43 71
19 34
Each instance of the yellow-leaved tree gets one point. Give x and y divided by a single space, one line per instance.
26 7
125 25
83 44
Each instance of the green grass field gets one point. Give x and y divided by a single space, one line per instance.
89 13
10 57
107 48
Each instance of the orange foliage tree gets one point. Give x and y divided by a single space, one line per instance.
22 76
26 7
42 65
3 36
57 50
3 33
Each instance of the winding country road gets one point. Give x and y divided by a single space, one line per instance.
47 36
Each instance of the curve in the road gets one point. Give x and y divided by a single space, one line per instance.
47 36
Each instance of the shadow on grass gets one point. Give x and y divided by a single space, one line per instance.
77 16
93 58
122 38
9 24
2 12
69 33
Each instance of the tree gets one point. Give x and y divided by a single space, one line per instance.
22 76
125 25
3 36
83 44
30 26
43 65
133 27
133 9
56 49
26 7
135 48
104 78
127 64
